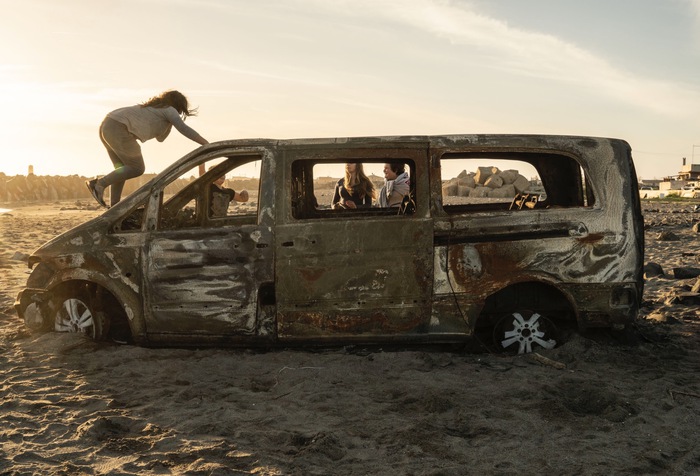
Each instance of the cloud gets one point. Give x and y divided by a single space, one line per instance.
300 77
528 53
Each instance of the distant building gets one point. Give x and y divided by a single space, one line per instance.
687 179
649 184
685 183
689 172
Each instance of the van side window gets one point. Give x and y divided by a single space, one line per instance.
317 188
516 182
225 192
235 193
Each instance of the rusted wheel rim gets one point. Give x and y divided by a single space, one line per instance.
75 316
523 332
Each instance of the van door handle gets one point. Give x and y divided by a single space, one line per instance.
578 230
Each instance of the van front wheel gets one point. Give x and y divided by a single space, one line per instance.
76 313
523 332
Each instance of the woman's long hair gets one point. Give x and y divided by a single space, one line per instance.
359 182
172 98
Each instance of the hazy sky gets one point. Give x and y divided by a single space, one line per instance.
320 68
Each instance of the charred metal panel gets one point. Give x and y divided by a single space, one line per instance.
206 281
367 277
572 249
87 253
354 277
76 250
601 303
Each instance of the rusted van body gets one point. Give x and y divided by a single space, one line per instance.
462 254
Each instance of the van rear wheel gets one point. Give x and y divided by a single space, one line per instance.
523 332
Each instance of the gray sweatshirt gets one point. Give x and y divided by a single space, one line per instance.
149 122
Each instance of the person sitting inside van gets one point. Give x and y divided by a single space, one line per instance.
397 185
220 197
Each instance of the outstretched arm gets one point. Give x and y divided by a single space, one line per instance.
175 119
241 196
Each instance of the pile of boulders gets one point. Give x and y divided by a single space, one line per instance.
486 182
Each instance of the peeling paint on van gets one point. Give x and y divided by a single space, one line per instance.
296 272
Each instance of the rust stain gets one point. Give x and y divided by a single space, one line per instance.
592 238
384 276
350 323
312 274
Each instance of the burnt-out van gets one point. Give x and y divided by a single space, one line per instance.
509 239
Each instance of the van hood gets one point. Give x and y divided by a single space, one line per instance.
79 238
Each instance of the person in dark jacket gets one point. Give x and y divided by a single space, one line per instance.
355 190
220 197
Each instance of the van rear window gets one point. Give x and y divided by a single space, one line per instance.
515 181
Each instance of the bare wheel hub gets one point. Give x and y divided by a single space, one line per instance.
516 329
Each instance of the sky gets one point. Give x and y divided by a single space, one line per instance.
285 69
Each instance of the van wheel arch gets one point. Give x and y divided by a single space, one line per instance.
525 317
103 315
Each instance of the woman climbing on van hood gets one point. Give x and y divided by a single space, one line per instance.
122 128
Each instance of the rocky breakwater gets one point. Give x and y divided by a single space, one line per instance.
30 188
487 182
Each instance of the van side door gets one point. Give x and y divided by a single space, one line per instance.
203 271
352 274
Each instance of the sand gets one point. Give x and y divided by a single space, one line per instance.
602 406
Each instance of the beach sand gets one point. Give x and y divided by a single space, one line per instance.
618 406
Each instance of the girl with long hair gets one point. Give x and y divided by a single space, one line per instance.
355 190
122 128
